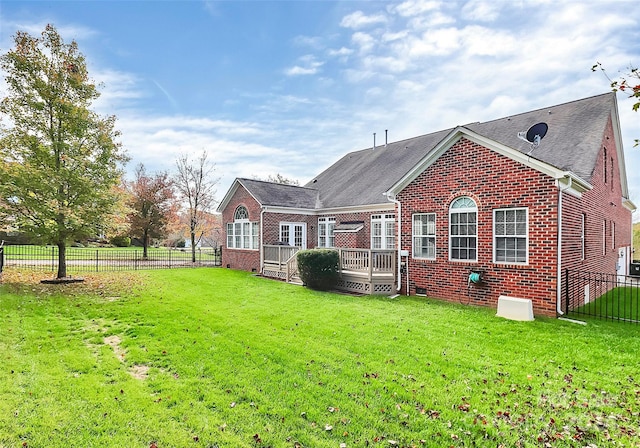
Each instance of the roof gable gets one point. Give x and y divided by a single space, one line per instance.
271 194
578 185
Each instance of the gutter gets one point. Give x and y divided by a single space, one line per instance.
391 197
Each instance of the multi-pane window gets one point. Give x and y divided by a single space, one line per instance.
424 235
463 230
326 226
612 231
242 234
383 231
293 234
582 237
604 237
510 235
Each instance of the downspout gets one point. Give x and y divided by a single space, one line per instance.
559 268
392 198
262 210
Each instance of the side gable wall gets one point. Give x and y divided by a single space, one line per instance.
603 209
493 181
244 259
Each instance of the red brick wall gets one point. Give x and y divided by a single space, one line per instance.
494 181
601 205
360 239
272 222
603 212
244 259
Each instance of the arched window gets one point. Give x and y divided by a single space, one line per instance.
463 229
241 214
241 233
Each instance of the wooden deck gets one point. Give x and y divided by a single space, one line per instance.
364 271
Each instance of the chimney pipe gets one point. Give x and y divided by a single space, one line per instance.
386 134
374 141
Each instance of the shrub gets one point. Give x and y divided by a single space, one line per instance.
318 268
121 241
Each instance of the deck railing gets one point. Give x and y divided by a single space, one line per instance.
281 261
279 255
368 261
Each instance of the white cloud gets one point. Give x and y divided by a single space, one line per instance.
364 41
341 52
315 42
412 8
481 10
308 66
358 19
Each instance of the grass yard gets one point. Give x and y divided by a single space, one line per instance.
619 303
220 358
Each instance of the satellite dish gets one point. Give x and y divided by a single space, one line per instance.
534 134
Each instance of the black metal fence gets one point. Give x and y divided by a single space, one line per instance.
604 296
45 258
1 259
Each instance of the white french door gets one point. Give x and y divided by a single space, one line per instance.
294 234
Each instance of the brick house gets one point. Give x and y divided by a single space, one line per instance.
467 214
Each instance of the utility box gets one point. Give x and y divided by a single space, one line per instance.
515 308
634 269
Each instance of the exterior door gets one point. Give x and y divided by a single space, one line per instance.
294 234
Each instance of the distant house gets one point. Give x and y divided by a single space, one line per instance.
464 214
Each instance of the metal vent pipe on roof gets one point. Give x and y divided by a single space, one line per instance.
374 141
386 135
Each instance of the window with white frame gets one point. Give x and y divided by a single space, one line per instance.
583 245
326 226
510 235
604 237
294 234
242 233
612 231
424 235
383 231
463 230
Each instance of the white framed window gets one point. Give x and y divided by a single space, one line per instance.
463 230
242 233
583 246
294 234
424 235
604 237
383 229
511 235
326 236
612 230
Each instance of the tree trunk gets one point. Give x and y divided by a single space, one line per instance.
193 247
145 244
62 260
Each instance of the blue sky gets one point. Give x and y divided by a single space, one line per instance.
289 87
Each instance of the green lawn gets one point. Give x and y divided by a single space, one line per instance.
220 358
619 303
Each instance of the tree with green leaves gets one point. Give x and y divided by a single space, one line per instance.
152 205
627 83
60 163
196 186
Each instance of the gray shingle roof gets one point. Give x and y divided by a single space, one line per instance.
572 143
573 140
281 195
361 178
